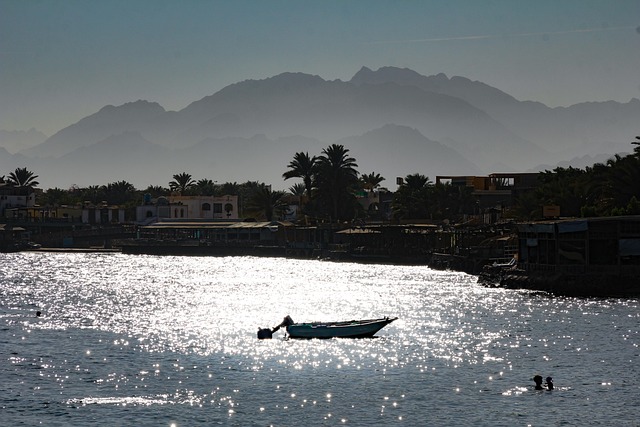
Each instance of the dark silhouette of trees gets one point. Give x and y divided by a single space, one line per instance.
298 189
446 201
330 182
181 183
412 197
265 203
120 193
305 167
565 187
22 177
527 207
156 191
205 187
604 189
57 197
371 181
302 166
336 180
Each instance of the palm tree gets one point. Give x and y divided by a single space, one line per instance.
416 181
205 187
55 197
92 193
371 181
181 183
446 201
564 187
336 176
302 166
266 202
22 177
230 188
156 190
412 198
119 193
623 179
297 189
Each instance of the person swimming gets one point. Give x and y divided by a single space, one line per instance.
538 380
549 383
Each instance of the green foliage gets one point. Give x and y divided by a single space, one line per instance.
181 183
412 198
371 181
633 208
336 180
120 193
22 177
265 203
419 198
156 191
205 187
330 182
298 189
601 190
527 206
58 197
302 166
566 187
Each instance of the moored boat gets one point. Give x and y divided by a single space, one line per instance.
347 329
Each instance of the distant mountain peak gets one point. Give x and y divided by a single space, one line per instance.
392 74
288 79
16 140
246 130
139 105
396 130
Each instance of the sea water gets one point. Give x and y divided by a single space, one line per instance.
171 341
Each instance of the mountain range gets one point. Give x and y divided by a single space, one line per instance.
394 122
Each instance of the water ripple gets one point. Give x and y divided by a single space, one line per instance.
172 340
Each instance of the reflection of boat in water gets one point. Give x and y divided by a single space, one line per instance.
349 329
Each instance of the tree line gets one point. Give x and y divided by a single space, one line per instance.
604 189
331 183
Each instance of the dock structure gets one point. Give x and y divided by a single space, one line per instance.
588 256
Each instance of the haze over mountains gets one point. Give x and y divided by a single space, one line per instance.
394 122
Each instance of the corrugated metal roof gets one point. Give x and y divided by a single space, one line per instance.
8 227
214 225
358 231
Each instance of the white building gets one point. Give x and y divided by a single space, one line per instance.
187 207
12 196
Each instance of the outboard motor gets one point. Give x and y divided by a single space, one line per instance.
265 334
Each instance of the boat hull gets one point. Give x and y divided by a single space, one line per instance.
350 329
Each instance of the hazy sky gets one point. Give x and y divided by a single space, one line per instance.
61 60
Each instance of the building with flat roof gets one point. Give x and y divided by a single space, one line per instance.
187 207
497 190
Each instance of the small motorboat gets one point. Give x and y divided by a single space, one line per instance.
348 329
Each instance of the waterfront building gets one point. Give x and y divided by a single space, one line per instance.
12 196
588 256
102 214
494 192
187 208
